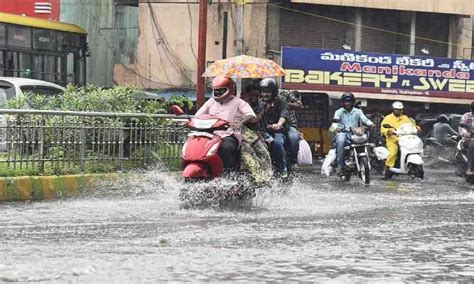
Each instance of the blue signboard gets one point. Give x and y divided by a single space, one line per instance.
335 70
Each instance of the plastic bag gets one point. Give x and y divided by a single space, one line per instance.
326 168
305 157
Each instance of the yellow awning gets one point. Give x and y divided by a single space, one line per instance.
40 23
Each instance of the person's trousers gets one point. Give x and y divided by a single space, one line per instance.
277 151
392 147
294 143
341 142
228 152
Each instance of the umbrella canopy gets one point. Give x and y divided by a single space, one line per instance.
244 66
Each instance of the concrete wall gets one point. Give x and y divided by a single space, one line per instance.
460 7
111 36
167 44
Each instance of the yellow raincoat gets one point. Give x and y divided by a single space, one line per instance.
392 140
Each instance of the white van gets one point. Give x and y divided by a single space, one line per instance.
12 87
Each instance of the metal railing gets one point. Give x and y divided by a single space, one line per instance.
59 142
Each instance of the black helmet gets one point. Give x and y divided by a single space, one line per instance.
348 96
443 118
268 85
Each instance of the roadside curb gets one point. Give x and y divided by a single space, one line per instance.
28 188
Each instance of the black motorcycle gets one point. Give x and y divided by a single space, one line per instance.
357 156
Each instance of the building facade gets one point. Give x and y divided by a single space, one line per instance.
112 29
167 45
167 42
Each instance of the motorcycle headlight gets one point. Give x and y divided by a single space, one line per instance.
213 150
359 131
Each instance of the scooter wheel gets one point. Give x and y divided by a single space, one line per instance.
470 179
417 171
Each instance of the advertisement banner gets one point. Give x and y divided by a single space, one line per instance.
340 70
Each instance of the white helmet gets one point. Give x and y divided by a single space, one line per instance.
398 105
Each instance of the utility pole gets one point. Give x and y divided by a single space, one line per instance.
240 36
224 35
240 28
201 62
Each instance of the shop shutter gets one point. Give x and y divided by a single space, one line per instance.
302 30
383 42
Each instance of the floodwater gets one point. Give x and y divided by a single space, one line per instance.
319 230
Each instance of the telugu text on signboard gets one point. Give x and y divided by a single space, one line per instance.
317 69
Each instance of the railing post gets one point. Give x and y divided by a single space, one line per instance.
82 147
41 144
121 141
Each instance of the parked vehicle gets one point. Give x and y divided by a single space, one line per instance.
410 151
12 87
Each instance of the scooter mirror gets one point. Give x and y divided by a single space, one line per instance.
387 126
177 110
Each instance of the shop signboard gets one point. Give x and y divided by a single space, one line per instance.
340 70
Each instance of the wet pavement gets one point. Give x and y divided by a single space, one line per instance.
320 229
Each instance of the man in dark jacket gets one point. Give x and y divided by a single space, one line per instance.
275 115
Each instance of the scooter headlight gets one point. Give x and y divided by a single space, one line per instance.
213 150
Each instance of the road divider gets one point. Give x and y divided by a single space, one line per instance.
28 188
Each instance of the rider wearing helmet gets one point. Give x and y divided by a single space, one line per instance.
274 122
348 118
395 120
442 131
231 108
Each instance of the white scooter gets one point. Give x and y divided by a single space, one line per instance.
410 151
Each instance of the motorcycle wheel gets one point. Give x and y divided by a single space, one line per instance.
364 173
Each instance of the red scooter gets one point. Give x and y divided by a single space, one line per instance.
201 162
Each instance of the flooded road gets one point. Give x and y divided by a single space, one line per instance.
319 230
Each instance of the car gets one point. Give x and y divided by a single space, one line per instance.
12 87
